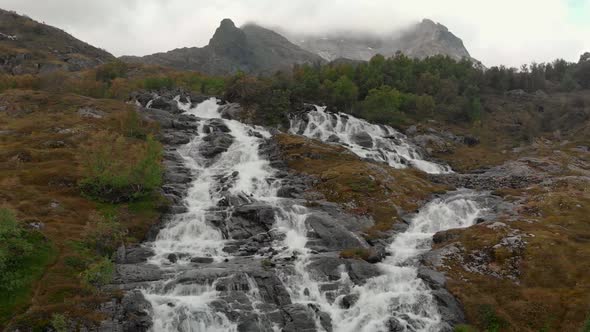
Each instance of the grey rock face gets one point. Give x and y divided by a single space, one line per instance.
215 144
363 139
512 174
231 111
132 313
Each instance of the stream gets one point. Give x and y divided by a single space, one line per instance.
280 269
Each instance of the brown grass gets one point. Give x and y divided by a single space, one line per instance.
363 187
40 165
552 293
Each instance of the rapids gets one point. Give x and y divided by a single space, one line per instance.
376 142
395 300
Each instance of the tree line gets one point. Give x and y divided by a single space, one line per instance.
400 89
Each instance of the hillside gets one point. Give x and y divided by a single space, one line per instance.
29 47
424 39
251 49
395 194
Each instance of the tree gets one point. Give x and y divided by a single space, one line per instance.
582 74
383 105
343 93
425 106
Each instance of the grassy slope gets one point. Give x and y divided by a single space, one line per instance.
42 147
552 292
43 43
362 187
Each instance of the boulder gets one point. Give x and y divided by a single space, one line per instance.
133 254
250 220
215 144
363 139
231 111
89 112
328 233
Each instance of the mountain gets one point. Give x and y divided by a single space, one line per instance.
29 47
251 49
424 39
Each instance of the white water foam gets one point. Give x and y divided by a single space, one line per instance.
186 307
398 297
380 143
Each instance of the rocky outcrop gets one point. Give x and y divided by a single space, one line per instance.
512 174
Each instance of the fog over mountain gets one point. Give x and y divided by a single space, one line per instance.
495 32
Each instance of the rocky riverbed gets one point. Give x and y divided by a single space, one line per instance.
256 280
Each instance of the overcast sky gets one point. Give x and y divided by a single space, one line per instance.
508 32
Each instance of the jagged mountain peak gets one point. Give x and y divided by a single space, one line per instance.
228 39
251 49
420 40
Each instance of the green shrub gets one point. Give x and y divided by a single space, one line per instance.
15 246
108 72
158 83
464 328
104 235
491 321
118 172
59 323
23 257
586 327
99 273
133 126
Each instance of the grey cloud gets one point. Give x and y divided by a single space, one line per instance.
497 32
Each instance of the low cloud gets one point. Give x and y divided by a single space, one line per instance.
497 32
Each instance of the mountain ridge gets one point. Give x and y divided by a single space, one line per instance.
30 47
250 49
420 40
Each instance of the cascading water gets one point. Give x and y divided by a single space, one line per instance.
181 307
380 143
398 299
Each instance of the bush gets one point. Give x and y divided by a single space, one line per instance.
59 323
104 235
15 246
117 171
132 125
491 321
99 273
158 83
464 328
108 72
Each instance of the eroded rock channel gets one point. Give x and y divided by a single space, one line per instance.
243 248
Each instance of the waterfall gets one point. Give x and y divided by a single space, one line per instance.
186 307
379 143
397 299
